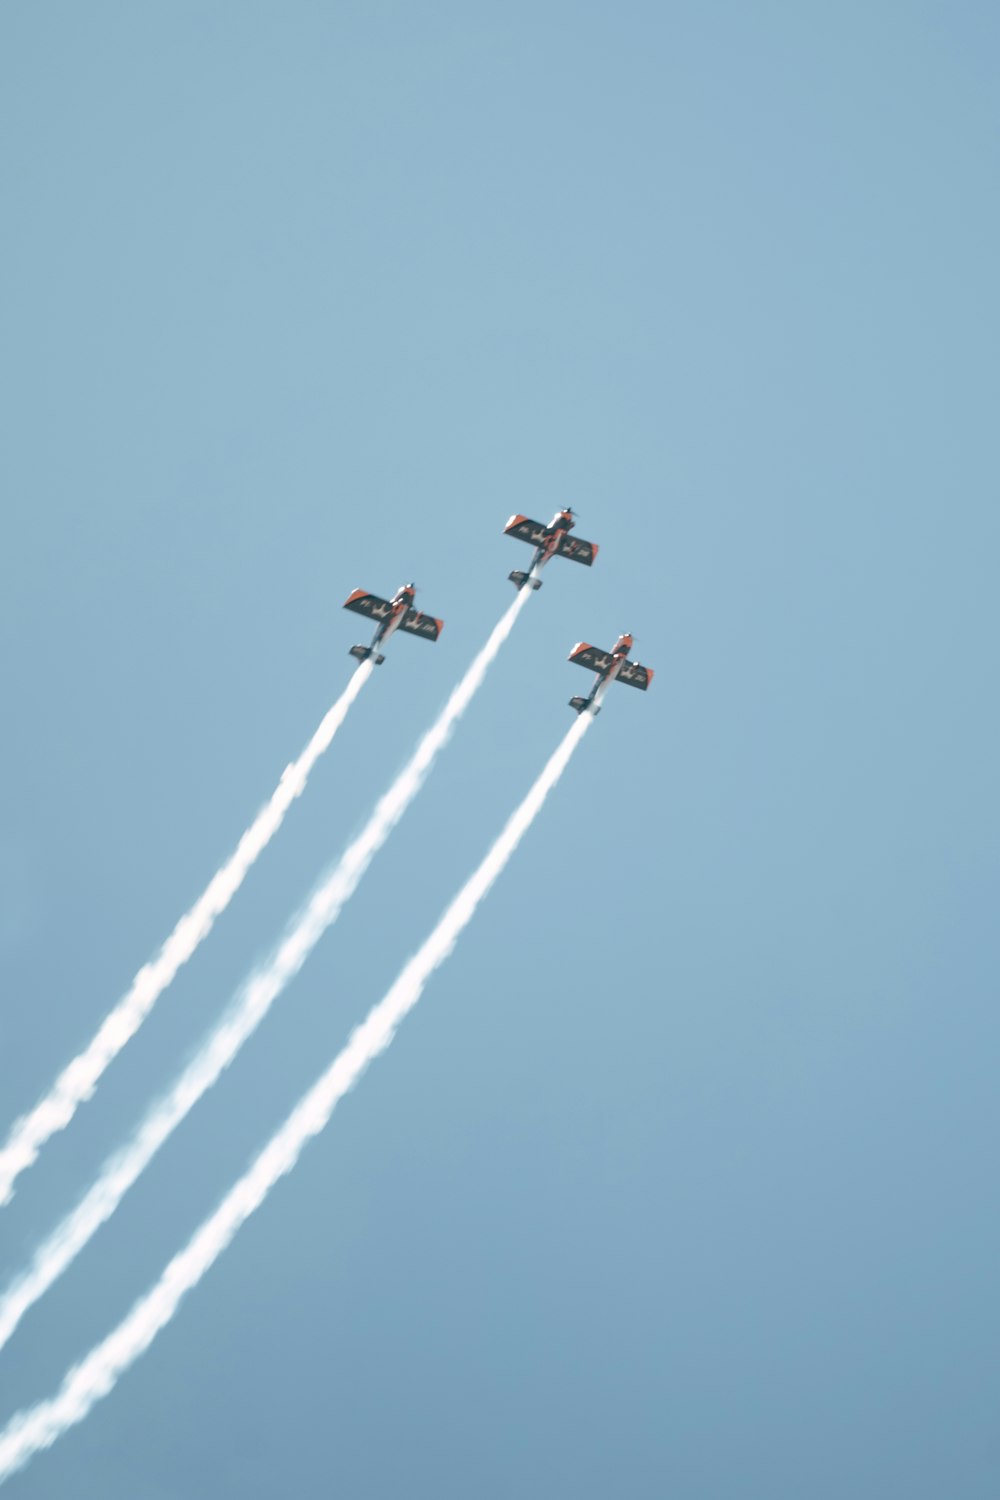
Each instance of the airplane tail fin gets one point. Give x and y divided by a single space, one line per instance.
520 579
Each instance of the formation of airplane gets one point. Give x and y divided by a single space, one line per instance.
392 614
549 541
554 540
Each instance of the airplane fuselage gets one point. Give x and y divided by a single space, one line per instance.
390 622
609 665
547 546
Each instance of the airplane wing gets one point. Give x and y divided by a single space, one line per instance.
418 624
368 604
590 657
635 676
577 550
526 531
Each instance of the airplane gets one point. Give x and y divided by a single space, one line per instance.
613 666
553 540
392 614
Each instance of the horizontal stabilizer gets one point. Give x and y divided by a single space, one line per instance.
578 703
520 579
362 653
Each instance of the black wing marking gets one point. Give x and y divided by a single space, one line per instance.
368 604
590 657
527 531
633 675
577 550
418 624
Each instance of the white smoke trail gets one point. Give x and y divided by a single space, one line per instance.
251 1005
78 1080
40 1426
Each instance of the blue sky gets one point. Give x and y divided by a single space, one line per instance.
678 1180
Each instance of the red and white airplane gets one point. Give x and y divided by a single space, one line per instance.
392 614
553 540
612 666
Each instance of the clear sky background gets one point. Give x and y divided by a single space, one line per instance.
681 1179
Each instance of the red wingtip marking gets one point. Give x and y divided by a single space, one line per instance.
650 674
514 521
580 646
440 625
356 594
594 549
